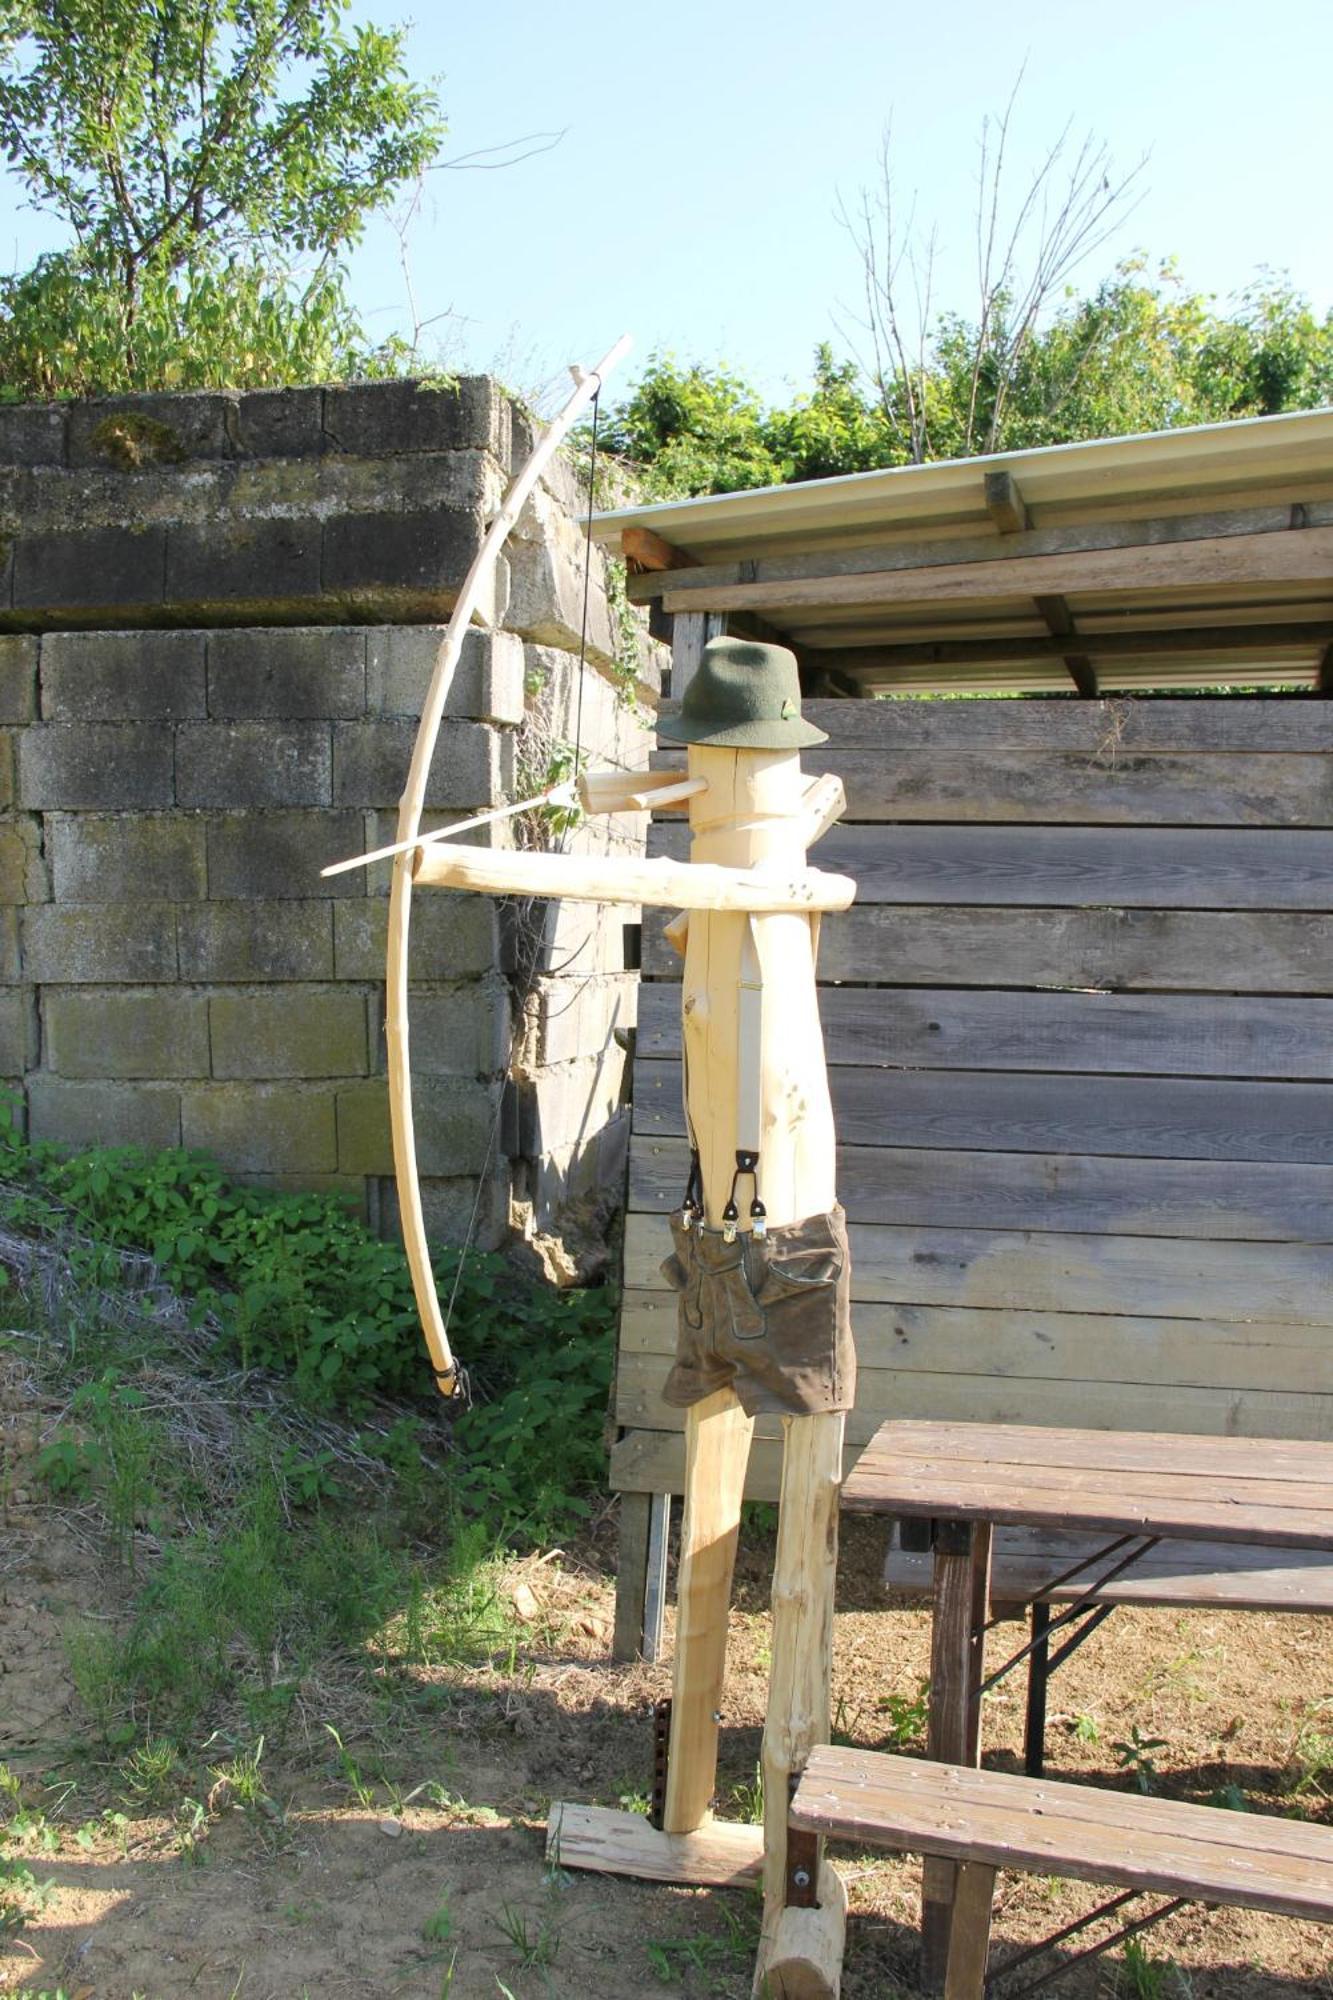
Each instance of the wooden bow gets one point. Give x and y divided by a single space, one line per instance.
410 809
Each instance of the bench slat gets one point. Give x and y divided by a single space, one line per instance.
1224 1574
1112 1838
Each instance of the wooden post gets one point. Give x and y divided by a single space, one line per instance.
641 1575
957 1650
631 1576
798 1704
969 1932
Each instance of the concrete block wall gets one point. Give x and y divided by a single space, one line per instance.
218 617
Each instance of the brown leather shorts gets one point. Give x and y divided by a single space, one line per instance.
770 1319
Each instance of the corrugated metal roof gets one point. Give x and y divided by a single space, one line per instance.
1057 481
903 578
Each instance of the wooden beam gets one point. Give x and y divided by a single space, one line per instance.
1058 618
1300 556
721 1853
1146 532
1232 639
648 551
1060 623
1005 504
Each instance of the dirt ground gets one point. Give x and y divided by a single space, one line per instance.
322 1893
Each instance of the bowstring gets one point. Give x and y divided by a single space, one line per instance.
526 983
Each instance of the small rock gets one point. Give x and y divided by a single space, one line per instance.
525 1603
393 1827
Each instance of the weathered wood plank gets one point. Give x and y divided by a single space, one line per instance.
1071 867
1008 784
1304 556
1087 1835
1176 1118
1130 950
1130 1034
1242 1200
1067 539
653 1461
1076 1448
1068 1346
1139 1276
1226 1575
1099 732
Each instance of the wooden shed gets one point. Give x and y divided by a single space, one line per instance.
1079 1019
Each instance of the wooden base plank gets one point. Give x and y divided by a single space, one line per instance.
718 1854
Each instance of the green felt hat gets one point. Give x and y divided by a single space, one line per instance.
745 696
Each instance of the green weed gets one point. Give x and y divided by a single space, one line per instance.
905 1717
1135 1754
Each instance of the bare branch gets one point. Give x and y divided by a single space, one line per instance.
479 162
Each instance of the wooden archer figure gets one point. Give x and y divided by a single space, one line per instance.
760 1256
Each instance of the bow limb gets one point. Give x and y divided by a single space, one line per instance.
411 1214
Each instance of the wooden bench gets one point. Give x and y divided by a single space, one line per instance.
986 1820
1035 1568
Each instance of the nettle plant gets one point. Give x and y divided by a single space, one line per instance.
295 1284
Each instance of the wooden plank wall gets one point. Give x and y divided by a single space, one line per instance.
1080 1033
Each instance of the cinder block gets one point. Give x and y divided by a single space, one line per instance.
96 764
473 764
11 959
425 555
22 869
291 672
33 433
253 764
280 423
223 942
562 1106
116 858
294 1032
277 1128
381 419
103 1114
487 683
453 1117
159 1033
281 853
136 433
269 560
463 1031
122 676
101 568
453 1212
92 943
579 1017
546 557
18 1030
18 676
452 936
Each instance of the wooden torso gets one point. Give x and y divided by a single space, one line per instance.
752 814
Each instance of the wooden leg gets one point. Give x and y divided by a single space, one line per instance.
804 1577
717 1450
957 1648
969 1932
631 1575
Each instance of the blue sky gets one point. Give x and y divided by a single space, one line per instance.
692 199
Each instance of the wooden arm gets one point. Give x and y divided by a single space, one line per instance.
636 791
824 801
588 878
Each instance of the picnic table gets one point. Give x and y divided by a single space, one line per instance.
1135 1490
